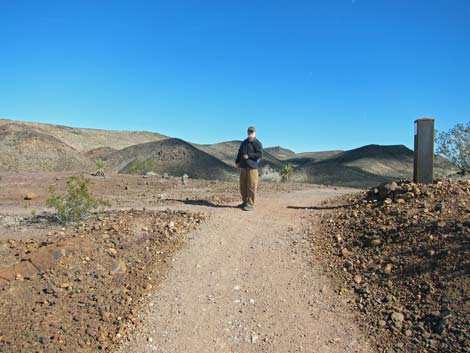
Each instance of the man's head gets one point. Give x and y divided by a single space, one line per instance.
251 133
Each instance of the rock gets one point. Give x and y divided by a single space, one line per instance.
166 176
397 317
358 279
43 340
30 196
345 252
386 188
440 206
150 174
65 285
388 269
348 265
375 242
119 267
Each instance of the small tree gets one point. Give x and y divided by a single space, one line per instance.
286 171
77 203
99 168
455 145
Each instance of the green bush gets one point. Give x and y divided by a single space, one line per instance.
455 145
141 167
99 168
286 171
77 203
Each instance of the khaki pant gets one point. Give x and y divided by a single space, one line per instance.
248 185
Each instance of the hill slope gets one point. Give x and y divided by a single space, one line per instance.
84 139
173 156
280 152
33 151
365 166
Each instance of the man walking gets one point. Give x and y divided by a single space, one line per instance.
249 154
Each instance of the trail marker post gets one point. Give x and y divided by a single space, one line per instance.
423 151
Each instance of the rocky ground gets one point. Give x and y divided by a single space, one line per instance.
401 253
174 266
80 288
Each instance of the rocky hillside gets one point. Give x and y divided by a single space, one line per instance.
172 156
280 153
83 139
33 151
362 167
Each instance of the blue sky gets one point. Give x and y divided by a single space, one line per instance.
310 75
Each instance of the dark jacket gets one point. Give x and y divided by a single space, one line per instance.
254 150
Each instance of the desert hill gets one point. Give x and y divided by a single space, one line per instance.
100 153
363 166
32 151
85 139
280 153
171 156
304 157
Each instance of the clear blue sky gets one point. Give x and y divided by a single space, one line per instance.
310 75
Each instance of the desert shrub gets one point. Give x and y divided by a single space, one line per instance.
455 145
99 168
77 203
286 171
141 167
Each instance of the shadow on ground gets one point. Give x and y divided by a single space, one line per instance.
317 207
204 203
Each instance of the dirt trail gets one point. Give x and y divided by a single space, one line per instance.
243 283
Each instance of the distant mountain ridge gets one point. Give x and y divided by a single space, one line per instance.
30 146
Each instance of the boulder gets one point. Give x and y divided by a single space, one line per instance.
30 196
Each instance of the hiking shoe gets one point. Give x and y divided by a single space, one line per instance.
248 208
241 205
